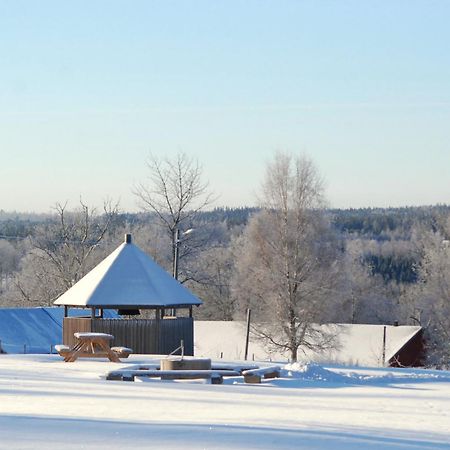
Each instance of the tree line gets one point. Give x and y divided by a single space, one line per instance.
296 263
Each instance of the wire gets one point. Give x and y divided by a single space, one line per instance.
13 238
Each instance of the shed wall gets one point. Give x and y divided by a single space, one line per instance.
412 354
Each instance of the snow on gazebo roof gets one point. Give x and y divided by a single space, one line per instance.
128 278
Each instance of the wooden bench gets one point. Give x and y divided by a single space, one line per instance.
255 375
88 345
63 350
214 367
122 352
216 376
234 367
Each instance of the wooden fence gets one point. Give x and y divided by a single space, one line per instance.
73 324
146 336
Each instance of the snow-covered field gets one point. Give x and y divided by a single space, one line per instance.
46 403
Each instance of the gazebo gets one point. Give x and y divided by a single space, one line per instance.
129 280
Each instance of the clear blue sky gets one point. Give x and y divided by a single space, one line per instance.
89 88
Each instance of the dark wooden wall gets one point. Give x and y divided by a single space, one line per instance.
73 324
145 336
412 354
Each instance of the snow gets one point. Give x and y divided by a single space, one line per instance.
355 344
88 334
46 403
128 277
62 348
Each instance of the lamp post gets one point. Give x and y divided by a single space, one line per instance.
176 244
175 253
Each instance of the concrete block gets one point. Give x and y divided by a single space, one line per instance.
185 364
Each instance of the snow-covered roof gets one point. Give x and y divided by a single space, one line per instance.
355 344
29 330
128 278
34 330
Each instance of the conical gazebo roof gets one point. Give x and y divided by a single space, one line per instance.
128 278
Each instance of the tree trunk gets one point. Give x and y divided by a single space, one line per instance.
293 354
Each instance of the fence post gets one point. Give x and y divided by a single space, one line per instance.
249 312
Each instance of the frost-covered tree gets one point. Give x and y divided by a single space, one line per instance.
287 263
428 302
9 262
367 297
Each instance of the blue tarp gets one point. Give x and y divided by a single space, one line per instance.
35 330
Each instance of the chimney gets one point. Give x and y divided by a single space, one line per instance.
128 238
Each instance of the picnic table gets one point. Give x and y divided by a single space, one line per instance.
91 345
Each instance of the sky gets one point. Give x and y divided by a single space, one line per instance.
89 89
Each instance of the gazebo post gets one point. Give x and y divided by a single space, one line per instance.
93 313
190 311
66 311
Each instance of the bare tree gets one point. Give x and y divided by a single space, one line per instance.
286 267
213 286
175 192
62 251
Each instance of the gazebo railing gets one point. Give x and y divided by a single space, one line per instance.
145 336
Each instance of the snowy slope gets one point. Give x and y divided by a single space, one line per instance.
48 404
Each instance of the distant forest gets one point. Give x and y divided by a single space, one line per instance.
389 228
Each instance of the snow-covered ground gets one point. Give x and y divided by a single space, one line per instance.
46 403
